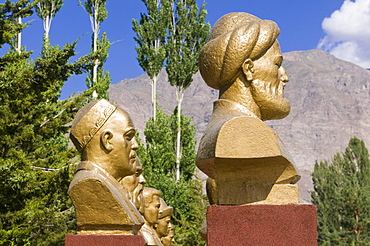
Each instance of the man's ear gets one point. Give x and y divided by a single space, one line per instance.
105 140
248 69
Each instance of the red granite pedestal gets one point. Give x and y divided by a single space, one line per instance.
104 240
270 225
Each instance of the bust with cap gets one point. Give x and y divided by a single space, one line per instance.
105 136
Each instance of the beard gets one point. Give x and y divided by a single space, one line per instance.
137 198
270 99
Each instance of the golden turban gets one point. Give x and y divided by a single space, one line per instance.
235 37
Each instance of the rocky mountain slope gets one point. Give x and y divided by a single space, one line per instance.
330 101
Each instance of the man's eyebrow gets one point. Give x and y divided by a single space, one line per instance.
279 58
130 128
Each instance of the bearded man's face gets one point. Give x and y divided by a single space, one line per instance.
268 84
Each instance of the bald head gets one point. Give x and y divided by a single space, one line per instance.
152 204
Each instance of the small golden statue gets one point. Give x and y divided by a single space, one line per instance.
244 158
105 136
162 228
169 239
151 214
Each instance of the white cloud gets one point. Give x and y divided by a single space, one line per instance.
348 32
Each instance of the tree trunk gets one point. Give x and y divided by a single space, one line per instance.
154 97
179 97
47 23
19 41
95 48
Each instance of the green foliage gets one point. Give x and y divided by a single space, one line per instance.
96 9
151 40
342 196
159 160
188 33
9 25
103 79
151 36
46 10
35 160
98 79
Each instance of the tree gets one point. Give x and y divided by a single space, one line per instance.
35 160
46 10
188 33
151 39
98 79
159 161
11 14
342 196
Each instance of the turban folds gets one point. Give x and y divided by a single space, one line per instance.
235 37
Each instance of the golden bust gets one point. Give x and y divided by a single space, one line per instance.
133 185
162 228
169 239
105 136
151 213
245 158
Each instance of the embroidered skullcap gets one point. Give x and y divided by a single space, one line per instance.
89 119
235 37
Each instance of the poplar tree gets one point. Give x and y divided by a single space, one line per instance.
9 26
11 16
342 196
46 10
188 33
159 161
98 79
151 33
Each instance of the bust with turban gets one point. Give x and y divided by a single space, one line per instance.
244 158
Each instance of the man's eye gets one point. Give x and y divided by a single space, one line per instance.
130 135
279 62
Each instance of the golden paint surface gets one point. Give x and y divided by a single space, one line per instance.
245 160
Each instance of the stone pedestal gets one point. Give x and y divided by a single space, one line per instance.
104 240
278 225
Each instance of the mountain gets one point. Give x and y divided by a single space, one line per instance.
330 103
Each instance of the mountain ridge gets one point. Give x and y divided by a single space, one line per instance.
330 103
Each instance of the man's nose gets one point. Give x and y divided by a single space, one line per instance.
142 180
134 145
283 76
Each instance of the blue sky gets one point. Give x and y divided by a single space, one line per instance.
341 27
